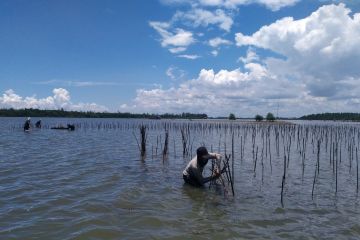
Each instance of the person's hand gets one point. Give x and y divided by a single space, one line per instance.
217 156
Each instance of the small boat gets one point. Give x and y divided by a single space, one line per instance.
70 127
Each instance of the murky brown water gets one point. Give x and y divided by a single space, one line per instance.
92 184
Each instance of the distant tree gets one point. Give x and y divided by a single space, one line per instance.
232 116
270 117
333 116
259 118
89 114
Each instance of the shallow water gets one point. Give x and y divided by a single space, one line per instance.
92 184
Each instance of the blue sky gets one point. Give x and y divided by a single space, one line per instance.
214 56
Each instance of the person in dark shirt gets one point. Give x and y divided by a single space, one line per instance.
27 124
38 124
71 127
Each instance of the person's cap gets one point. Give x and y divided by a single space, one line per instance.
202 151
29 118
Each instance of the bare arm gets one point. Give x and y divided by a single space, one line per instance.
202 180
212 177
217 174
214 156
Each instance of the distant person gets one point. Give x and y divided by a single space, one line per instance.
194 170
27 124
71 127
38 124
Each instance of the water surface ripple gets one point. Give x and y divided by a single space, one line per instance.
92 184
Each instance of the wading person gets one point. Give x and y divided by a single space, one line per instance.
193 171
38 124
27 124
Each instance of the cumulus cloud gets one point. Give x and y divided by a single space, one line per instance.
202 17
175 73
218 92
313 68
273 5
321 49
251 56
177 49
60 99
252 91
188 56
216 42
214 53
317 71
176 41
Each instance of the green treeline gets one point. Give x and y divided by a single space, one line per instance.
333 116
30 112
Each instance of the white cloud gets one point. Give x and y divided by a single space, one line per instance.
169 73
177 40
273 5
60 99
202 17
251 56
215 53
216 93
180 38
177 49
321 49
187 56
174 73
216 42
253 91
314 68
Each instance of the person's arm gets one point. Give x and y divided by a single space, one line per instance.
217 174
212 177
214 156
200 179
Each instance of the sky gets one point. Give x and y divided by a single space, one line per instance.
247 57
